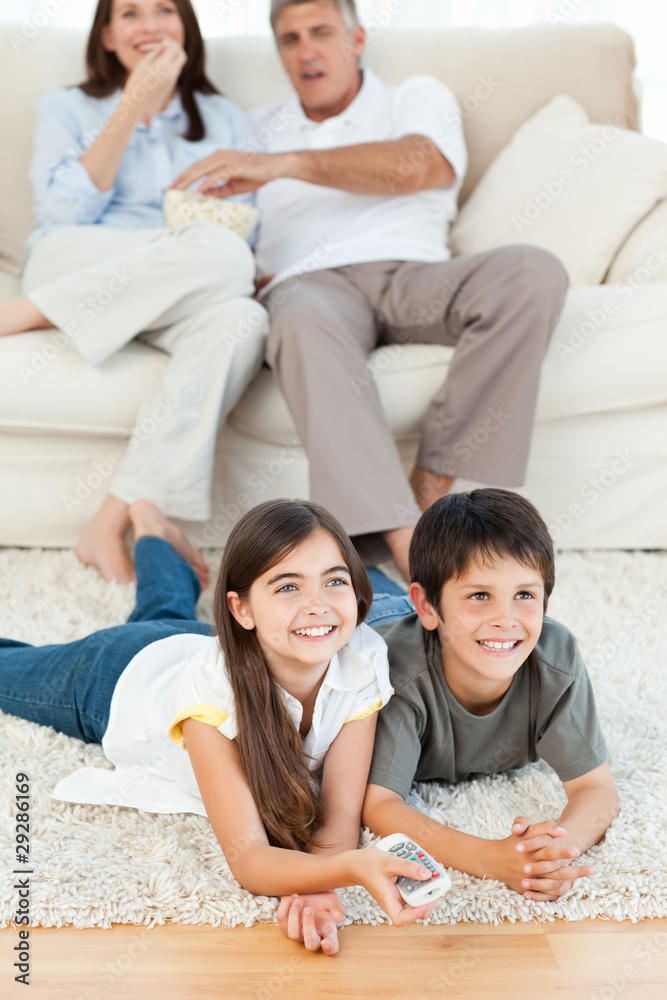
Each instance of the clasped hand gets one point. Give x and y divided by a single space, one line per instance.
532 862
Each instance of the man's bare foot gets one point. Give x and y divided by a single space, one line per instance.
429 486
399 545
17 315
147 519
102 543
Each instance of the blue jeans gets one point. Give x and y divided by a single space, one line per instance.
389 600
69 686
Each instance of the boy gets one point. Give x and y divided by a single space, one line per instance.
483 683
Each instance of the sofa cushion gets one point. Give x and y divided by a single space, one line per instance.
643 256
596 363
608 353
46 386
572 187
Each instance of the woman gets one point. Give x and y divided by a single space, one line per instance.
102 268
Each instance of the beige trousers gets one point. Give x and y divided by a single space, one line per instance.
185 292
498 309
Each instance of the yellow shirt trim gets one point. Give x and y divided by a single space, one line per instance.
208 714
369 711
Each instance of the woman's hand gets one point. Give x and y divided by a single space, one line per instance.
153 80
378 871
312 918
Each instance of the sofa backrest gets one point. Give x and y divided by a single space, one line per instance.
500 77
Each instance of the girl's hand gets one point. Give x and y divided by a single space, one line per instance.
312 918
154 78
378 871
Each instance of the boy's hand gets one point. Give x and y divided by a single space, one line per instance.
535 846
547 866
312 918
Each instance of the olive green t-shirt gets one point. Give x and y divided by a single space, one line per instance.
424 734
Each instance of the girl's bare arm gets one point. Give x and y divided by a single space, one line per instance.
274 871
344 777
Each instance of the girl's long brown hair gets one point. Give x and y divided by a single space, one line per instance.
268 742
107 74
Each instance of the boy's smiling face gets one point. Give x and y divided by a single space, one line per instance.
489 621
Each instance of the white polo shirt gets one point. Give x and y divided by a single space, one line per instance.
307 227
184 676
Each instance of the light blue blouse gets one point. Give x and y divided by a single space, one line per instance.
68 123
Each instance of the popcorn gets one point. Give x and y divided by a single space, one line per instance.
187 206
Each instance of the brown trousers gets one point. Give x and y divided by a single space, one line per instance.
497 308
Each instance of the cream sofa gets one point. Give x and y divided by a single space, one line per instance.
598 468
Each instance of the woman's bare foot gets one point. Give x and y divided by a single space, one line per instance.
429 486
147 519
17 315
102 543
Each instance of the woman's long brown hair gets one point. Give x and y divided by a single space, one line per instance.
107 74
268 742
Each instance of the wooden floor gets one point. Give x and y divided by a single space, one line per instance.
589 960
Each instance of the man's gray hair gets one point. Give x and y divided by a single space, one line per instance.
347 9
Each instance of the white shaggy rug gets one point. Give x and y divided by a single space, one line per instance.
98 865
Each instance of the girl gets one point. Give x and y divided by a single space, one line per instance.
267 727
102 268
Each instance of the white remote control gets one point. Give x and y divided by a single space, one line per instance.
414 891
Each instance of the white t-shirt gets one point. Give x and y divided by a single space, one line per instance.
307 227
184 676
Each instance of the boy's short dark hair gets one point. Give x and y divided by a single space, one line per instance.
486 524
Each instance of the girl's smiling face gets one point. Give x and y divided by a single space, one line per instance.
303 609
140 26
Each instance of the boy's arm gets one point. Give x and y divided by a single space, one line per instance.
385 812
592 805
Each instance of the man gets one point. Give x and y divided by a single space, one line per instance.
356 195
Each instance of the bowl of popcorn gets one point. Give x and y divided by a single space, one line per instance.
188 206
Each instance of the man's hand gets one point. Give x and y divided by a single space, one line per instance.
312 919
230 171
531 862
394 168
